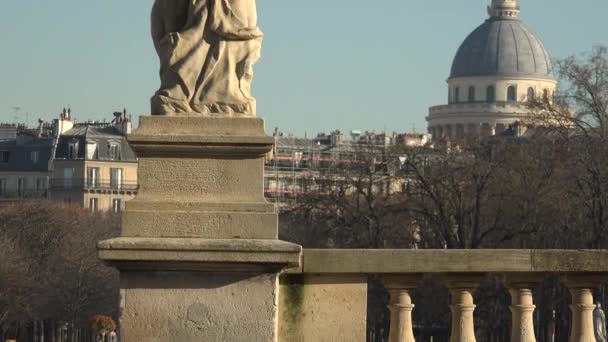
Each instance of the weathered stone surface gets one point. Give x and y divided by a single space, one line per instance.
322 308
199 254
200 221
207 50
182 306
452 261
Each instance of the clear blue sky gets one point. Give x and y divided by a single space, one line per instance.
349 64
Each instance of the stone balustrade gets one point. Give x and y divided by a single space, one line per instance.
478 107
324 299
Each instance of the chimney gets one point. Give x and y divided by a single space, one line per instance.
122 123
64 123
127 126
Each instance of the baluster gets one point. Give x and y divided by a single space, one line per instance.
581 289
461 289
401 306
522 305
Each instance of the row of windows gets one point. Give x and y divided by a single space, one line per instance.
94 205
5 156
94 177
113 150
23 186
491 94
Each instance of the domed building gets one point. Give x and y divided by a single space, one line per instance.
497 69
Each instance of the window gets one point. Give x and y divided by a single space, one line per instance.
546 95
73 150
114 151
490 94
531 94
68 174
457 94
116 205
91 150
93 177
2 186
40 184
512 93
4 156
21 187
94 205
116 178
471 94
34 156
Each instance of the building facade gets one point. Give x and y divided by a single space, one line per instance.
93 165
24 163
88 164
499 68
301 166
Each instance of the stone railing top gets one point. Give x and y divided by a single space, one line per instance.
336 261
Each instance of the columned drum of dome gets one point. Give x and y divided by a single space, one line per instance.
501 64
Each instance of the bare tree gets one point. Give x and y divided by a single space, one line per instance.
57 275
356 202
578 116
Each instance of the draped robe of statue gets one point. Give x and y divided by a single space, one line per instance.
207 49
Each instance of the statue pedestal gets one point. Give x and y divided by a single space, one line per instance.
199 255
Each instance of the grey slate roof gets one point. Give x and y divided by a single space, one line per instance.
20 155
101 134
502 47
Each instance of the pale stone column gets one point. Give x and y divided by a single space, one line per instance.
522 306
401 306
462 288
581 289
522 309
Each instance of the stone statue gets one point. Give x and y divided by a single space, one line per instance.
599 323
207 49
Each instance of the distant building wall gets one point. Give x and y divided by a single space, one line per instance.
20 184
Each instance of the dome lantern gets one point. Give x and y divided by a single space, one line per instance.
504 9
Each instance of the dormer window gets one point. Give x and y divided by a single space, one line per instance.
91 150
73 150
114 151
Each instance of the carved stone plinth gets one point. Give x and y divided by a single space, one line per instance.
199 255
